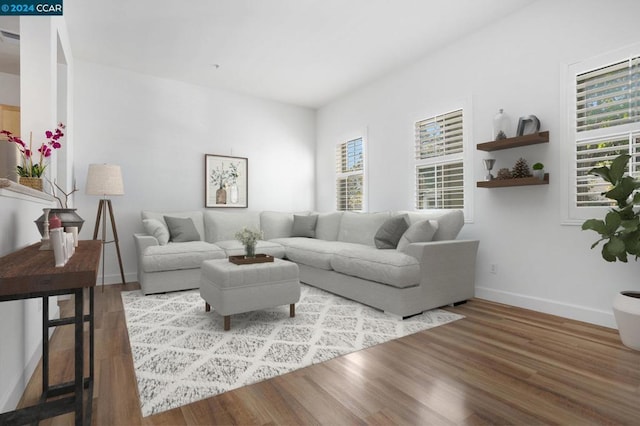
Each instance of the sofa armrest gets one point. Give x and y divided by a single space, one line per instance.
142 241
447 269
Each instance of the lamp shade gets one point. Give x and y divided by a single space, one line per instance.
104 179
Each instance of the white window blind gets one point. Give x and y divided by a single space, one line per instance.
439 162
607 124
350 175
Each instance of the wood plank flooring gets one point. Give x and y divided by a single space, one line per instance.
499 365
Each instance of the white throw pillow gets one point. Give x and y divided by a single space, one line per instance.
157 229
419 232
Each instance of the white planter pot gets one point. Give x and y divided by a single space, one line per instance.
626 309
538 173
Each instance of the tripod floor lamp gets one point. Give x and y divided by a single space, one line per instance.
105 180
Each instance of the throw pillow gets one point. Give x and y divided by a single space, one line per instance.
304 226
157 229
182 229
391 231
419 232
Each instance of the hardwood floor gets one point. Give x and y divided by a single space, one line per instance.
499 365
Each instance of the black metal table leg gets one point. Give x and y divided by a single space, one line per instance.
79 356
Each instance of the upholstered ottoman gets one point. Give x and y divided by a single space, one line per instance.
234 289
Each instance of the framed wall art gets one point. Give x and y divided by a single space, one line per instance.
226 181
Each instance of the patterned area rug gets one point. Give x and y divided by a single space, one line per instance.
181 353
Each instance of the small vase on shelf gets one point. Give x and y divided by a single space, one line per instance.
500 126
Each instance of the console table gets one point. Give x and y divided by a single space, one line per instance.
31 273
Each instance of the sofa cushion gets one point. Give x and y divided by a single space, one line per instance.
419 232
174 256
328 226
360 228
235 248
316 253
304 226
222 226
391 231
196 216
181 229
450 222
384 266
156 229
276 224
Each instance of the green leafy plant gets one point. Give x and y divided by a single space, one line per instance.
620 229
538 166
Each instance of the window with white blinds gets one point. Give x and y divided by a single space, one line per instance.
350 175
440 162
606 124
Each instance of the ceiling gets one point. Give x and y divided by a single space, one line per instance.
302 52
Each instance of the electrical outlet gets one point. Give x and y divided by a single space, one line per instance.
493 269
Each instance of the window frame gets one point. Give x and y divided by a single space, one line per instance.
339 175
572 214
466 156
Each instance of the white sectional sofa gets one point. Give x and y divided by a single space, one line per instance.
334 251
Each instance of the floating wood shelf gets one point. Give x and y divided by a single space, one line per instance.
502 183
532 139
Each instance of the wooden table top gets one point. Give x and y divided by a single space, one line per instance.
30 270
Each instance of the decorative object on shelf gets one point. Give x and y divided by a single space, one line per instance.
538 170
249 238
63 204
488 164
106 180
501 124
67 217
521 169
31 182
528 125
45 241
59 244
620 232
504 173
28 168
226 181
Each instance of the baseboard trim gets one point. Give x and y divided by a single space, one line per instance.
566 310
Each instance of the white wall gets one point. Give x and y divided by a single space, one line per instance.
516 64
36 93
158 131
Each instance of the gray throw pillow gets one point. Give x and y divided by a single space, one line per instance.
182 229
391 231
419 232
304 226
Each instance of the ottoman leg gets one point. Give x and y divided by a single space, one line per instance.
292 310
207 307
227 322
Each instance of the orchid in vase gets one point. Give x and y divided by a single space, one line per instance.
30 167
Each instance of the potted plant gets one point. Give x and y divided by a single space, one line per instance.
249 238
30 171
620 233
538 170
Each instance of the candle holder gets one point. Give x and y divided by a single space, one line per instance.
488 164
46 241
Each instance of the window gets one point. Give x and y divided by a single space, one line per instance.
440 162
350 175
605 122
